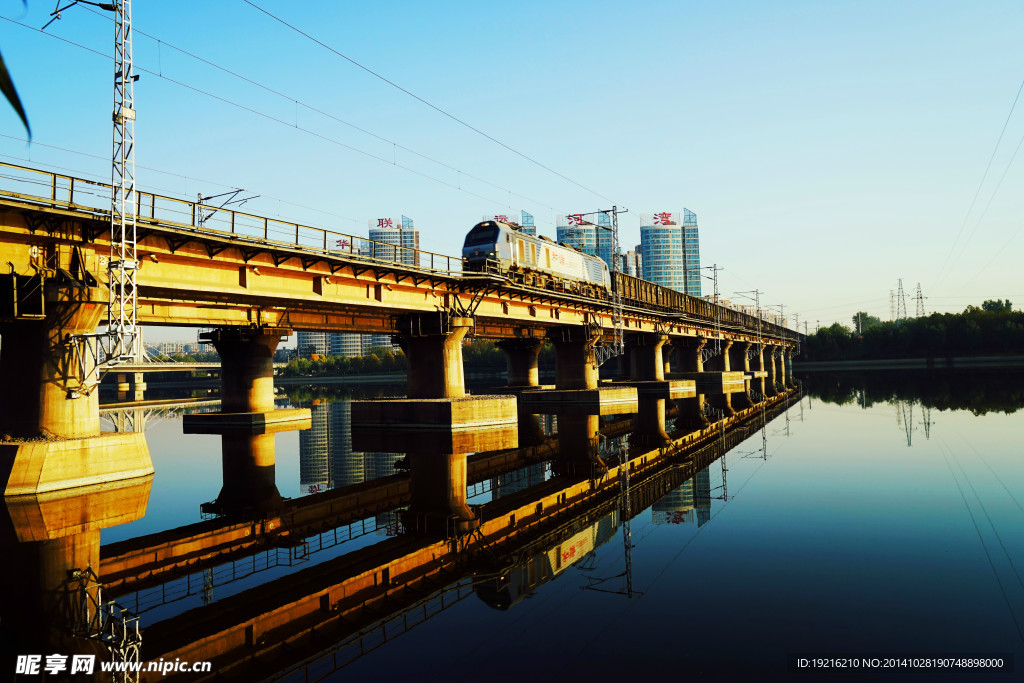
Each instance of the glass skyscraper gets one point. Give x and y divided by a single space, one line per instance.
663 242
592 237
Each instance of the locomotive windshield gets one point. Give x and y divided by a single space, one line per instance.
483 233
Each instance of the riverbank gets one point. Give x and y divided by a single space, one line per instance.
1015 361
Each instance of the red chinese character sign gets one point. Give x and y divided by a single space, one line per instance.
503 218
574 219
663 218
385 223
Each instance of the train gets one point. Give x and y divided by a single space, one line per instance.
492 246
514 584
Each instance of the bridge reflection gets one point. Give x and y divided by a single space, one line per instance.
553 498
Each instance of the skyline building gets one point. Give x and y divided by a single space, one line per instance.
593 237
664 239
392 240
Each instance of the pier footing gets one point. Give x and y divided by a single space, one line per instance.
43 465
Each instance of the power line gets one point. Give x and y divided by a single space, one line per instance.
420 99
151 188
269 117
328 115
940 276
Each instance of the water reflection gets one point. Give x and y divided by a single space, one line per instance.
308 585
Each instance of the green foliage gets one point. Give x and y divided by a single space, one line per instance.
992 329
862 320
997 306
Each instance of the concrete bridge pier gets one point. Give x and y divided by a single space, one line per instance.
649 424
131 386
437 501
433 347
44 393
44 539
689 354
247 366
576 362
690 413
521 358
738 360
720 362
246 381
249 483
579 446
647 362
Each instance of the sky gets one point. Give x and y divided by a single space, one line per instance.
829 149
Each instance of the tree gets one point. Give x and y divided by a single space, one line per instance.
997 306
862 320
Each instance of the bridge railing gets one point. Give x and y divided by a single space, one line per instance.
61 191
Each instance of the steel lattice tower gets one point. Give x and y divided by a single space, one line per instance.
122 265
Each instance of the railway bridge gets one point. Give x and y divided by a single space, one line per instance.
252 280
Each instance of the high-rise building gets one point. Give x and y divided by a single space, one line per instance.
691 252
308 343
670 251
675 507
525 222
592 237
326 458
391 241
632 263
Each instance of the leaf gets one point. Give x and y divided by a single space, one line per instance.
7 87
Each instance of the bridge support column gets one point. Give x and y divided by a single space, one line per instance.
646 360
689 353
247 366
649 424
521 358
787 365
131 386
433 347
770 353
757 360
42 371
579 441
43 394
437 502
738 360
721 363
249 483
576 363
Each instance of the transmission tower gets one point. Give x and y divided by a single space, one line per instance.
901 301
919 299
892 305
123 263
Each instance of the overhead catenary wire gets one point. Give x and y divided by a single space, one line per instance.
395 145
942 270
274 119
425 102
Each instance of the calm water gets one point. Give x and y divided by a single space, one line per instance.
878 514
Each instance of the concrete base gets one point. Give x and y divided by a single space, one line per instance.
32 467
601 401
758 374
715 382
57 514
444 414
285 419
416 439
670 388
519 390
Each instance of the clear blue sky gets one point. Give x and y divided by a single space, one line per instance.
828 148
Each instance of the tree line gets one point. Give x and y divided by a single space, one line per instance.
994 328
